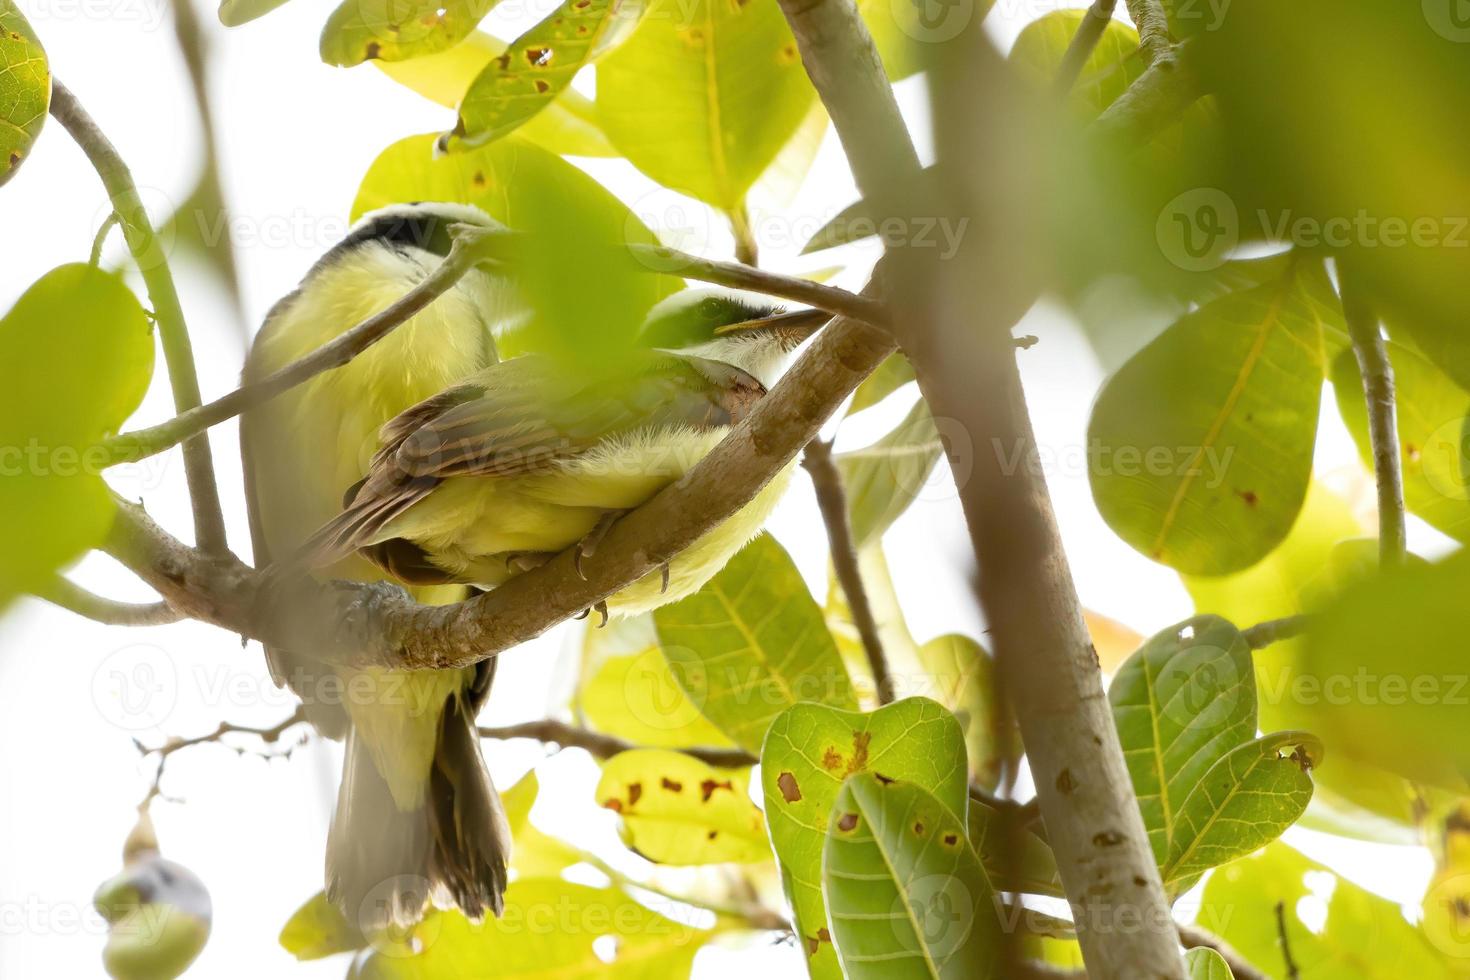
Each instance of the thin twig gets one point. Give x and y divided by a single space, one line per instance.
827 481
149 254
1192 937
463 255
1153 32
67 595
604 746
269 735
1292 971
747 249
1084 42
1383 435
1274 631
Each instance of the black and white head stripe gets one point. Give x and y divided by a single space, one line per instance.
423 225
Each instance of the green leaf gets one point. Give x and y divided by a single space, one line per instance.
895 372
1184 700
704 95
1030 867
809 751
25 89
1114 64
962 673
538 66
233 13
1382 674
1364 937
567 126
676 809
1206 964
882 479
319 929
1201 445
1243 803
752 642
1433 413
87 350
396 30
548 929
906 895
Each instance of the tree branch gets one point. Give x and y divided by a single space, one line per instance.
378 625
604 746
148 253
827 482
1153 32
1152 102
109 612
1274 631
1084 42
1383 435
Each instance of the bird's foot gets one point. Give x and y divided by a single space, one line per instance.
663 585
587 547
524 561
600 607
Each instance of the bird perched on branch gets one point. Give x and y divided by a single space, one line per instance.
481 469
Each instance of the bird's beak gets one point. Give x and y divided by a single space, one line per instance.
790 328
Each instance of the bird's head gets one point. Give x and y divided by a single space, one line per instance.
748 332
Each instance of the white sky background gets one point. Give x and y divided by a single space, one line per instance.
297 135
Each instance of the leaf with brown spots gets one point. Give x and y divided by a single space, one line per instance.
397 30
896 892
538 66
808 752
699 814
25 89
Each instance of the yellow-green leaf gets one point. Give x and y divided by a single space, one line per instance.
1015 859
810 750
1201 445
1433 422
751 643
233 13
676 809
319 929
892 374
396 30
906 894
1244 802
635 696
538 66
1115 63
963 677
84 354
534 854
25 89
1184 700
883 479
1204 963
704 95
567 126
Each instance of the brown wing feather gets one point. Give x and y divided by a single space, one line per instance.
519 417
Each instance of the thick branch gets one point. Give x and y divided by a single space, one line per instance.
466 251
606 746
1153 31
378 625
832 500
109 612
148 253
1383 435
1154 100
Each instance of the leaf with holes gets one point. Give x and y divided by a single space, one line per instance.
25 89
1200 447
550 928
1433 414
538 66
396 30
567 126
883 479
1016 860
809 751
751 643
906 894
704 95
1181 702
1206 964
87 350
1243 803
1361 936
1115 63
676 809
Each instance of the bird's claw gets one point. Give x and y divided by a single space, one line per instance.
587 547
663 587
600 607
